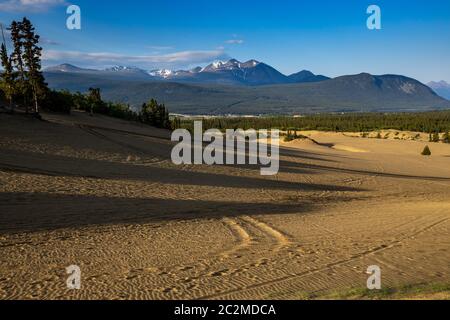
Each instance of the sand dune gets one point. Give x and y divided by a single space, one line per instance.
103 194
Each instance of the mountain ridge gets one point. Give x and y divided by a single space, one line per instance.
232 72
442 88
350 93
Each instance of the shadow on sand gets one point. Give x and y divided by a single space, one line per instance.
32 212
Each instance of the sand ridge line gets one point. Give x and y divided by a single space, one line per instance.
75 123
90 130
341 147
126 132
28 170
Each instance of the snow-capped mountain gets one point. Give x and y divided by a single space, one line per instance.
232 64
216 66
163 73
251 72
117 71
124 69
231 72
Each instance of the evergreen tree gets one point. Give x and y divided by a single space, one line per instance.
7 76
426 151
155 114
95 101
436 137
176 123
17 61
446 138
32 61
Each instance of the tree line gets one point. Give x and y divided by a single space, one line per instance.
22 84
151 113
434 123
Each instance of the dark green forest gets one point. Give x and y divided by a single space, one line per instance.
429 122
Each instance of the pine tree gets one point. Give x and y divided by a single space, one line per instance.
176 123
426 151
436 137
7 76
32 61
8 83
165 120
17 60
446 138
155 114
95 100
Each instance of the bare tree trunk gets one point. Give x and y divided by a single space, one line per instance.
36 106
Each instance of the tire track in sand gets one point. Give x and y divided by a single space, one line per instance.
243 238
250 235
281 240
258 287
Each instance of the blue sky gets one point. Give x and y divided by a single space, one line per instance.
326 37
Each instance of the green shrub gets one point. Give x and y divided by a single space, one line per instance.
58 101
436 137
426 151
446 138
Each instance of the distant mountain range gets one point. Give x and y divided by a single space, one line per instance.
251 87
442 88
231 72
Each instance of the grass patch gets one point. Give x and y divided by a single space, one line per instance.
422 291
417 291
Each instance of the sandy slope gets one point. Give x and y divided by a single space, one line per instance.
102 194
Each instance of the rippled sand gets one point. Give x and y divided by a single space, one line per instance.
102 194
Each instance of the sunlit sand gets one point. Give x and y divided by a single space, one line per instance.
103 194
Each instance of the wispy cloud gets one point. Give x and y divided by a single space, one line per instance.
160 48
29 5
49 42
42 40
175 59
235 41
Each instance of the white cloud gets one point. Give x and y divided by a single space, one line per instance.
29 5
107 58
235 41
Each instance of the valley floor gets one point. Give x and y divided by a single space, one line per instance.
103 194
